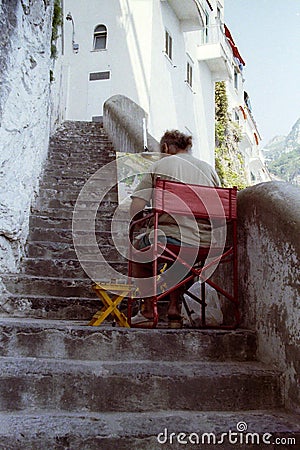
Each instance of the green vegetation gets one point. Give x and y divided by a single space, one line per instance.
287 166
56 24
230 164
282 155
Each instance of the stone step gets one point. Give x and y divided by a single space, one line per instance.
62 177
59 250
55 430
68 199
83 172
60 384
104 175
81 146
78 139
50 307
106 210
71 268
94 190
85 135
86 151
74 143
80 125
86 168
80 134
80 129
90 157
66 194
70 204
22 284
82 237
77 341
90 147
74 186
69 184
90 154
43 222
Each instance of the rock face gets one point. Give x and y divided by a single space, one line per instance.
282 155
293 138
24 117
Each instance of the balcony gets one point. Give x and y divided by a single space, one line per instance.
187 13
215 50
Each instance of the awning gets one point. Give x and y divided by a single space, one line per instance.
234 48
243 112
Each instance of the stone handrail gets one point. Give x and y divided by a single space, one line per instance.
269 257
123 122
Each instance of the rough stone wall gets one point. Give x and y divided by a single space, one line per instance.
24 117
269 258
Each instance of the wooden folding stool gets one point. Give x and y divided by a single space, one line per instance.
111 295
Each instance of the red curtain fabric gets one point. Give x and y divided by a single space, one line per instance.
234 48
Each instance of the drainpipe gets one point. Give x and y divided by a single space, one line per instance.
145 135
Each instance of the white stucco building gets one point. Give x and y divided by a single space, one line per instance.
150 51
165 55
241 113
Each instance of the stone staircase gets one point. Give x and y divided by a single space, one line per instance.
52 283
65 385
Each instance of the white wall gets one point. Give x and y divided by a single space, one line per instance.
127 56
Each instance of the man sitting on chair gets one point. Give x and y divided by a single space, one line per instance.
176 164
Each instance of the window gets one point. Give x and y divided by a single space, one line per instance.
168 44
99 76
236 79
100 37
206 30
247 101
189 73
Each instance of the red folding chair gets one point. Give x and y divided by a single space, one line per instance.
185 263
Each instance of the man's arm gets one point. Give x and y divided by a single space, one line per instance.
137 205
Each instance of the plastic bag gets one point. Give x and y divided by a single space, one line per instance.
213 312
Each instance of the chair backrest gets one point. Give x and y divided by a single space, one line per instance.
199 201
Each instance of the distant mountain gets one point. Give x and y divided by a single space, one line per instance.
282 155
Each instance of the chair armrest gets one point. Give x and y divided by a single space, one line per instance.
139 221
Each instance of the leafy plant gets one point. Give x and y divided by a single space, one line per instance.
230 164
56 24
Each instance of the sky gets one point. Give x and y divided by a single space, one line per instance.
267 34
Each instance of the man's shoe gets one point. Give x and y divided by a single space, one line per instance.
140 321
175 321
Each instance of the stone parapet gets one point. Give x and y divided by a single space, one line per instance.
123 121
269 254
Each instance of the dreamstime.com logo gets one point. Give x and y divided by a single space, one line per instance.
89 252
239 437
